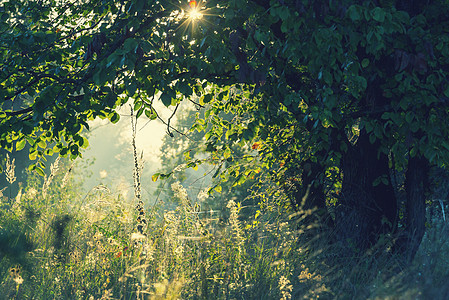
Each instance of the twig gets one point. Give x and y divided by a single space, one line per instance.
169 119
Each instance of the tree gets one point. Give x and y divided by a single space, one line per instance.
323 90
185 158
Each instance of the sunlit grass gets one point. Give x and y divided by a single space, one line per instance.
73 246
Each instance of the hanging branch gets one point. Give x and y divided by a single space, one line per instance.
169 119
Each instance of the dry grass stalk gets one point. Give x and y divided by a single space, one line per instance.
10 169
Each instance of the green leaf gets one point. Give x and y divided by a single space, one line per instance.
354 13
166 99
369 127
283 12
218 188
40 171
365 62
217 172
131 89
377 181
205 99
137 105
378 132
327 77
414 127
386 115
409 117
84 143
99 77
20 144
239 180
130 45
363 82
140 112
114 118
42 144
148 113
155 177
378 14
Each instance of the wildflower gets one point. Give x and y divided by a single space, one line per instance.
285 288
103 174
107 294
235 223
180 192
10 169
111 241
255 146
54 167
179 168
19 195
67 174
13 272
98 235
1 192
203 195
18 279
31 193
137 236
74 256
138 163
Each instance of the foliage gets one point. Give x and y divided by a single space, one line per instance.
185 159
310 67
333 97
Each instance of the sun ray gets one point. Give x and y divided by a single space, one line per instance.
193 16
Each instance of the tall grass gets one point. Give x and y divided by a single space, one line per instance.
56 244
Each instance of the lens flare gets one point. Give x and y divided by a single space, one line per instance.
194 13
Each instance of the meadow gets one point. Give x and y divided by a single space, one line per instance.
58 244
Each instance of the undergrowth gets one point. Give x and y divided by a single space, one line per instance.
57 244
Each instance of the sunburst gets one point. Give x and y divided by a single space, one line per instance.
195 11
194 15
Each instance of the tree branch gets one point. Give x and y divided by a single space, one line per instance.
19 112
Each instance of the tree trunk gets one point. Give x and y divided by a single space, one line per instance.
415 209
367 206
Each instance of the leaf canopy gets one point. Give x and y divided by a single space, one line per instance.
299 76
